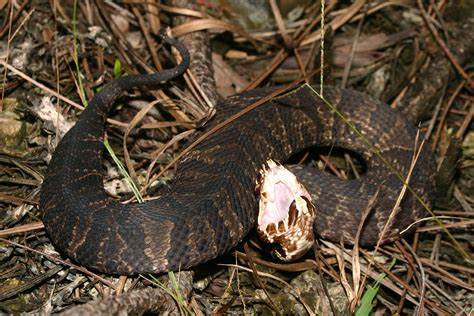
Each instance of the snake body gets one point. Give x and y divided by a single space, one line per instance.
210 205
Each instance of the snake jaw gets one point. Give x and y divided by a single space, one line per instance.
286 214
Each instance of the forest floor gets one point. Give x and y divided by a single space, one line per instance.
416 56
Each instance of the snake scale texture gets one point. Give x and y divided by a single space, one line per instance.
211 205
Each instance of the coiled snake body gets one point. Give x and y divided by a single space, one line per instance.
211 205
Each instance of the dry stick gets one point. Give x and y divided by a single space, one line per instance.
405 259
395 208
443 45
205 24
148 39
321 61
457 111
442 274
420 308
220 306
454 213
348 160
238 284
176 10
405 285
156 125
440 294
10 21
56 61
120 45
276 61
196 90
445 113
10 39
435 217
58 260
62 12
445 275
466 122
12 18
25 168
411 77
355 252
465 202
378 7
330 165
280 24
348 65
16 200
434 255
436 227
288 267
280 57
434 117
121 284
136 119
453 266
416 239
311 60
257 277
157 153
82 89
435 289
329 269
26 18
22 229
322 279
301 65
341 263
302 33
390 284
336 22
295 290
7 293
153 13
410 274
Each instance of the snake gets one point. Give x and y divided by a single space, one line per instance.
210 206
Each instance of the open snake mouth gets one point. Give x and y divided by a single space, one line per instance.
286 213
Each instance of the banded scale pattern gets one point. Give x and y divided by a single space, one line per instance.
210 205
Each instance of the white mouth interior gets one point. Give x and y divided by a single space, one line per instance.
278 191
278 206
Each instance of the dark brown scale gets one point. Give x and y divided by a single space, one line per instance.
211 205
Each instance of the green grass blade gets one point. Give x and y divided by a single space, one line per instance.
366 302
124 172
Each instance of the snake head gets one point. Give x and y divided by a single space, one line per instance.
286 213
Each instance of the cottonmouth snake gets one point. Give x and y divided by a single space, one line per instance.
210 205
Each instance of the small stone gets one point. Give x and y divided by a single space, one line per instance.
13 130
